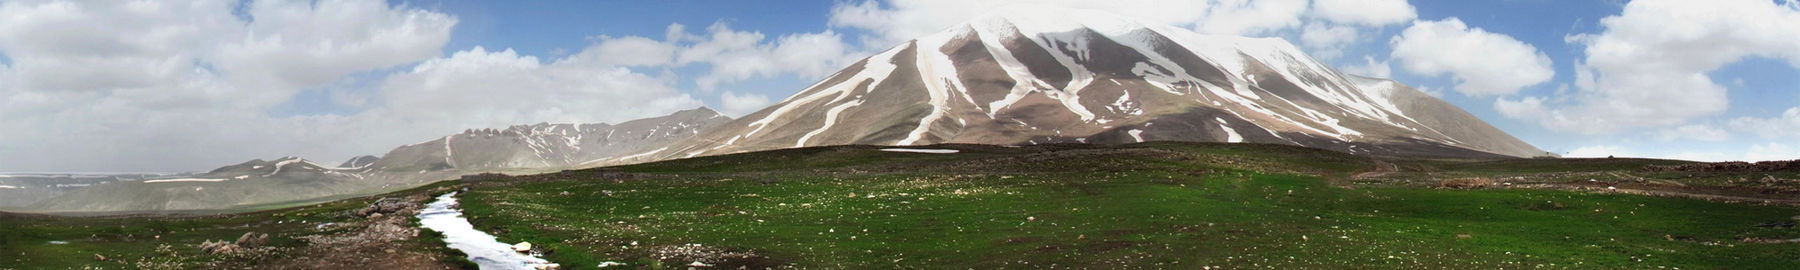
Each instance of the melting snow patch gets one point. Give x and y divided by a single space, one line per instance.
926 151
9 187
177 180
1137 134
481 247
1231 135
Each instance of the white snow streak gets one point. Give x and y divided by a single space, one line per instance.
937 73
875 68
482 248
1136 134
830 118
1231 135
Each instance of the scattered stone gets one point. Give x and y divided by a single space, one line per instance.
219 247
252 240
699 264
547 266
522 247
384 206
99 257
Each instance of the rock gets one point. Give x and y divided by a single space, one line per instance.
99 257
375 215
219 247
252 240
384 206
699 264
522 247
606 264
547 266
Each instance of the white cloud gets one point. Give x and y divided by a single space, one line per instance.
1695 132
478 88
737 55
739 105
1245 17
1327 41
895 21
1365 12
1483 63
628 51
63 45
1371 68
1649 66
302 44
1787 125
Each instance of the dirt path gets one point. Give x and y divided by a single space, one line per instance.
380 241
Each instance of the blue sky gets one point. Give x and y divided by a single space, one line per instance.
181 85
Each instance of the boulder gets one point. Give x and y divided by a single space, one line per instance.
522 247
219 247
252 240
384 206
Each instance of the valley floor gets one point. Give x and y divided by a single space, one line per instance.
1143 206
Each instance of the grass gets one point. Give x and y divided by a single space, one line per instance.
164 242
1162 205
1151 205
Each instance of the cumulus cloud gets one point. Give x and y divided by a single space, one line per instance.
1649 65
1695 132
894 21
1785 126
188 85
1327 41
65 45
1371 68
191 85
742 104
1365 12
739 55
301 43
1482 63
479 88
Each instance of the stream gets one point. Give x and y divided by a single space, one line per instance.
483 249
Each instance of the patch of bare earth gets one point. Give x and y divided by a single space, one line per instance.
381 240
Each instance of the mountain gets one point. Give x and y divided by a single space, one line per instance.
359 162
542 145
1045 75
517 149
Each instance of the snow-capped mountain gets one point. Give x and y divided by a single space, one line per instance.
554 146
1046 75
516 149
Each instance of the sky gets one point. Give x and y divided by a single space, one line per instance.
117 86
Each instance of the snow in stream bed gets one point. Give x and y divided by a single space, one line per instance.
482 248
927 151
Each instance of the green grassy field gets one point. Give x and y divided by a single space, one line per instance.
1152 205
170 241
1139 206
